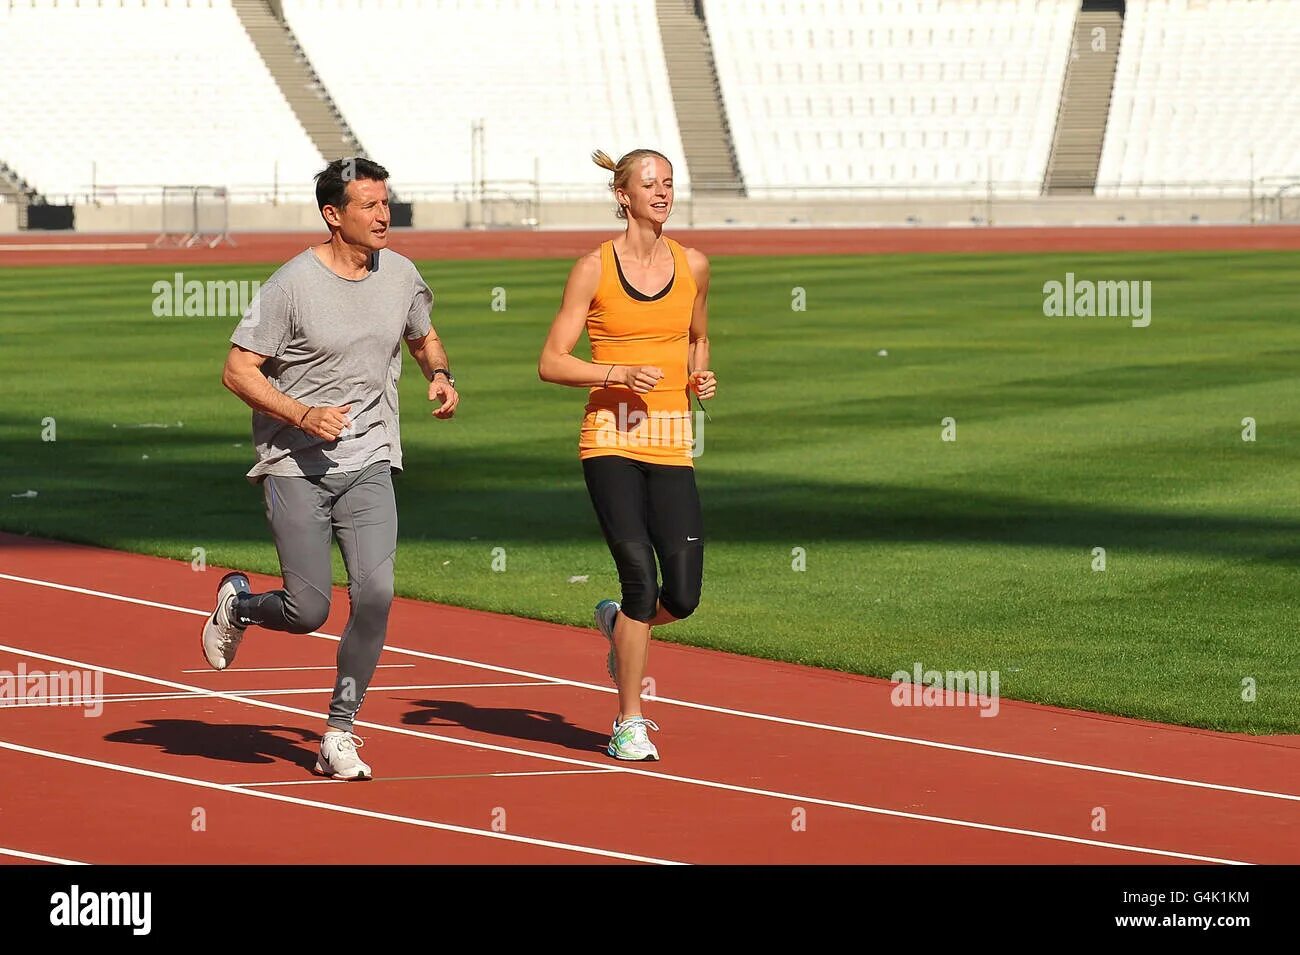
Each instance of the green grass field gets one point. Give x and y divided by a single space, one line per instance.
976 554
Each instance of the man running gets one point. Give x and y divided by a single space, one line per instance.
317 357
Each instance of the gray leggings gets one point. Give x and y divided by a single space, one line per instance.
362 512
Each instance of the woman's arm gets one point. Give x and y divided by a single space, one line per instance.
702 380
559 365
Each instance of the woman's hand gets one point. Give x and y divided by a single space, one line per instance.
704 383
641 378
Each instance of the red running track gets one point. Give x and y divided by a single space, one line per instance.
487 732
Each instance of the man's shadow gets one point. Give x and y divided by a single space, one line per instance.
231 743
537 725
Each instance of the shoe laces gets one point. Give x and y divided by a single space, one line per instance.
349 742
638 725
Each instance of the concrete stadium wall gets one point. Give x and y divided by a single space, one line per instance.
714 213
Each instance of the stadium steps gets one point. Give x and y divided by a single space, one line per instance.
293 73
14 188
697 97
1085 101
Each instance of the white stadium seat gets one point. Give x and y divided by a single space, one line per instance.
940 93
142 93
550 79
1202 97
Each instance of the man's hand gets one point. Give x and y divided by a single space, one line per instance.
327 423
442 391
704 383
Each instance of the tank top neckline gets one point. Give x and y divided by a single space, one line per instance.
634 293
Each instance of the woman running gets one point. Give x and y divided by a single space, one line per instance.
643 300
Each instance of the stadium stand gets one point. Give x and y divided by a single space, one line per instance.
884 93
550 80
781 112
145 92
1085 99
1201 85
700 116
302 88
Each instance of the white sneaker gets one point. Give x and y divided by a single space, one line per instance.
631 741
606 616
221 634
338 757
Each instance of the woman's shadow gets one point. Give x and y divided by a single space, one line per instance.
230 743
536 725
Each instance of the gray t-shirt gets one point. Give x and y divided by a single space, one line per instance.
332 341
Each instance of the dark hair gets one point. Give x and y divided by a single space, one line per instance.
332 181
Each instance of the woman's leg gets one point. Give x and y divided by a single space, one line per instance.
617 486
677 532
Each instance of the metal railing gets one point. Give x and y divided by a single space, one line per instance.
534 192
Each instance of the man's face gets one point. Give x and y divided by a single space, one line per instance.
364 220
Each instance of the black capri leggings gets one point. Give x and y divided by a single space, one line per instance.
647 510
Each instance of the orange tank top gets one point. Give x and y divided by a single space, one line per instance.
654 427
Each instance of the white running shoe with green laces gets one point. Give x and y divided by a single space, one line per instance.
631 741
338 757
606 616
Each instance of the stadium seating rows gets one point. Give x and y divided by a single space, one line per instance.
142 93
880 93
1201 86
944 95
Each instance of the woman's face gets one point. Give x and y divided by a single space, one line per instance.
649 193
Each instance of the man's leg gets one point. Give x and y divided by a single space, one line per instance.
365 523
298 509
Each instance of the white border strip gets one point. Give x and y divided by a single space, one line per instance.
410 779
84 699
380 666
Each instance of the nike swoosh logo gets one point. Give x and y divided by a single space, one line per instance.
692 538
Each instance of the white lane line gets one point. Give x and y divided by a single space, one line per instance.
381 666
62 700
689 780
667 701
37 857
330 807
407 779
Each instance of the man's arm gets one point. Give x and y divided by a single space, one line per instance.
243 376
432 359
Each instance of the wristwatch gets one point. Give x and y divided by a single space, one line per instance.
443 371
